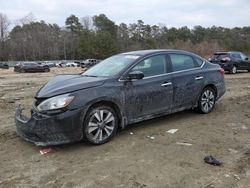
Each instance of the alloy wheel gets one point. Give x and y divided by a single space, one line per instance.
207 100
101 125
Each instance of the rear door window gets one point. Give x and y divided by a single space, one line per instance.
182 62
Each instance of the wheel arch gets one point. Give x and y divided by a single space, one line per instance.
212 86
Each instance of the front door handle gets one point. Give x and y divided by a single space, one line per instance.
166 84
199 78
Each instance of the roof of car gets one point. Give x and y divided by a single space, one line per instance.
146 52
217 53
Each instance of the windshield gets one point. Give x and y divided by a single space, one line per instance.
243 56
111 66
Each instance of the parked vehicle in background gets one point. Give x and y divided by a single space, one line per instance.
61 64
89 62
4 65
78 63
50 64
30 67
71 64
231 61
123 89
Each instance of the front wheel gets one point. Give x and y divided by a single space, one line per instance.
100 125
206 101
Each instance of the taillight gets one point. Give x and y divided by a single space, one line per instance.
222 71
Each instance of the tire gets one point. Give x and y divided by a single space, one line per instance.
46 70
233 70
100 125
22 71
206 100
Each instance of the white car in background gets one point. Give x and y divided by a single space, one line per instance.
71 64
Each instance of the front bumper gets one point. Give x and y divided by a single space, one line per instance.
46 130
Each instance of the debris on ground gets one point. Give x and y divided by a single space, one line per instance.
211 160
184 143
226 175
131 133
151 137
244 127
45 151
232 150
172 131
236 177
210 184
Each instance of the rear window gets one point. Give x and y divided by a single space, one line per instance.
219 56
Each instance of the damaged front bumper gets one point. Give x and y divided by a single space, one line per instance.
44 130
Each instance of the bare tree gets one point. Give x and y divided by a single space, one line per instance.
4 25
87 23
29 18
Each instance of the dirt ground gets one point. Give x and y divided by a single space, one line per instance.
132 160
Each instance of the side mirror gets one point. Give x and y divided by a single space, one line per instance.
135 75
247 58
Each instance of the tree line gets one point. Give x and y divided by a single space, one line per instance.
99 37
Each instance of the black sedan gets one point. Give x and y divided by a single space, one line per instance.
4 65
231 61
31 67
121 90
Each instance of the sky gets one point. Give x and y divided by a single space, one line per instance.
172 13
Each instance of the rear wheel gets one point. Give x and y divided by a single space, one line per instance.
22 71
46 70
206 101
233 70
100 125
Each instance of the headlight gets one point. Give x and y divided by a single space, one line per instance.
54 103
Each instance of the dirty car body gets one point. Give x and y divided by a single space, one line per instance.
129 88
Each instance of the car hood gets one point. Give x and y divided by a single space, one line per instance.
68 83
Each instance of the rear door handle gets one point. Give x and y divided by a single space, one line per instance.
199 78
166 84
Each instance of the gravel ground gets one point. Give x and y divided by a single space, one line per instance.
132 158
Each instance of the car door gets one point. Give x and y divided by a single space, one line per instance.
238 61
35 67
28 67
151 95
187 79
245 62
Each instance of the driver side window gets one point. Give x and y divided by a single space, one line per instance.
152 66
